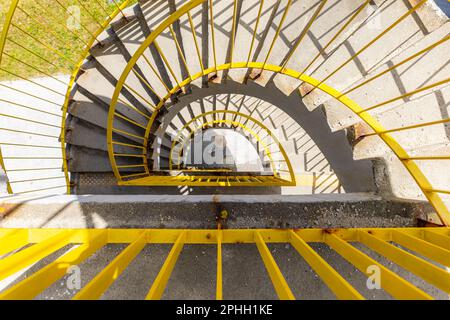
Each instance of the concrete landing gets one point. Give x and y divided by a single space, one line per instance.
177 211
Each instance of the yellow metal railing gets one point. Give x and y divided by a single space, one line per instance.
424 252
184 15
29 46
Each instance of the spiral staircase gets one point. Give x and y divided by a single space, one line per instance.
342 105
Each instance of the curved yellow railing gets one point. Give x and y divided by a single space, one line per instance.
245 127
432 194
72 52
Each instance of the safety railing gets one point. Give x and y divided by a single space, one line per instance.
38 42
424 252
213 67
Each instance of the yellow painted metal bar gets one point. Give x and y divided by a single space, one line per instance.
31 95
391 282
89 13
440 240
14 240
161 53
349 21
45 277
219 278
32 52
97 286
156 73
37 179
213 35
157 289
41 189
49 47
36 252
233 31
304 32
194 37
134 108
340 287
119 8
180 52
408 94
31 133
31 81
127 144
118 115
427 271
378 37
278 280
420 125
148 86
139 95
277 33
30 108
128 134
425 248
423 51
438 191
255 31
28 120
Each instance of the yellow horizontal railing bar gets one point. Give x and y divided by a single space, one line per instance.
134 175
148 102
34 169
347 23
129 120
420 125
41 189
97 286
229 236
29 94
28 120
148 86
119 8
233 32
31 108
180 52
30 133
277 33
30 255
438 191
14 240
129 155
32 52
407 95
127 144
134 108
49 47
33 67
304 32
278 280
396 286
169 67
426 158
34 284
102 6
337 284
423 51
427 271
378 37
32 158
129 134
213 34
197 49
255 31
37 179
427 249
157 289
440 240
156 73
131 166
31 81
